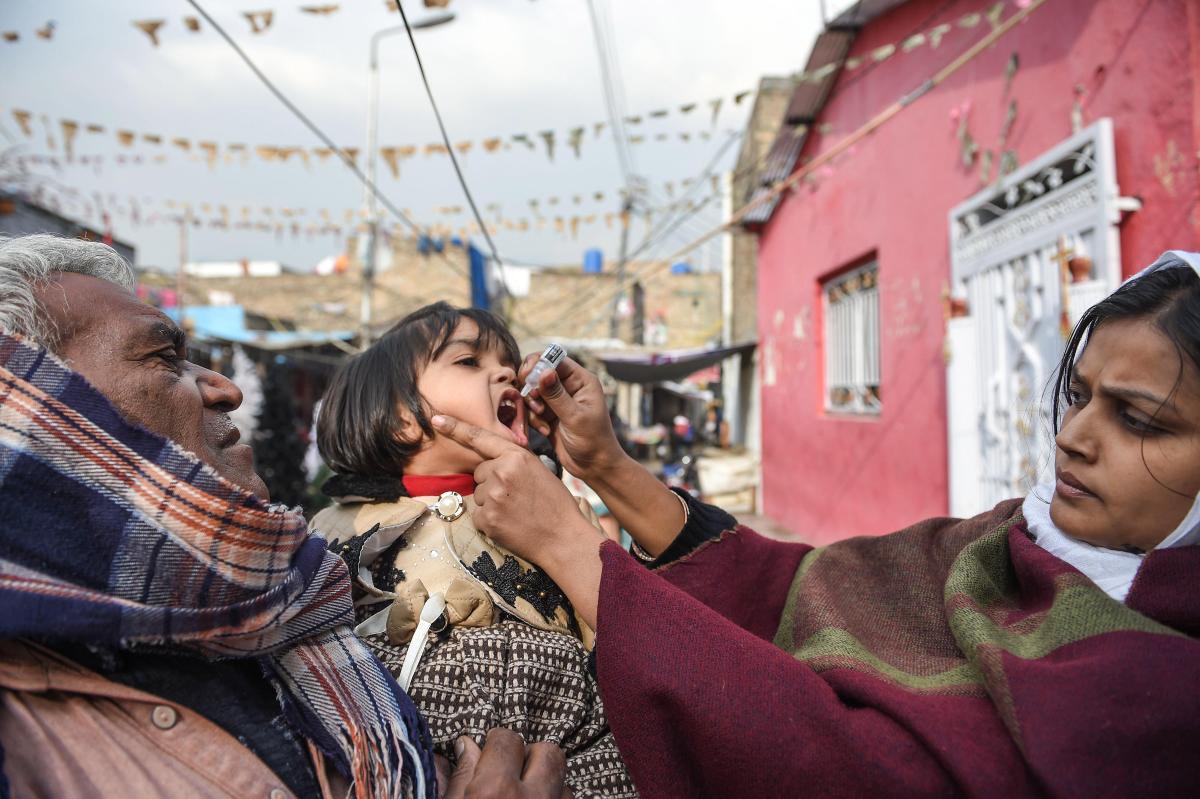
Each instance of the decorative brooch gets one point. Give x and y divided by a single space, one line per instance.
449 506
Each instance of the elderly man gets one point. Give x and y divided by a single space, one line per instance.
163 630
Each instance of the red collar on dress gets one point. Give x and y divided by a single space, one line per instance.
434 485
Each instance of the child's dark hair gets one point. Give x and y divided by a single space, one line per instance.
361 411
1169 297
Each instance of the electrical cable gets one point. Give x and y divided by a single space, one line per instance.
877 121
657 234
327 141
308 123
615 121
450 148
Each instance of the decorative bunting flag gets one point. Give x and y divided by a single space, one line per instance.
633 120
392 159
22 118
320 10
737 98
152 138
660 113
95 128
715 104
150 28
209 149
687 108
575 140
192 24
491 145
523 139
126 138
880 54
599 128
69 129
548 138
464 146
46 31
259 20
11 36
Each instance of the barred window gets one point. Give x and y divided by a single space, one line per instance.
851 303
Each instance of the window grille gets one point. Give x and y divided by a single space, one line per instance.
851 304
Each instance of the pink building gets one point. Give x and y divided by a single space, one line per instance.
911 291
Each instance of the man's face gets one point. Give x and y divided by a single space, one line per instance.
136 357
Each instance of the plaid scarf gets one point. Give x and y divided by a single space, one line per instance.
113 535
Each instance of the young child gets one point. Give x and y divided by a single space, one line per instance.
506 648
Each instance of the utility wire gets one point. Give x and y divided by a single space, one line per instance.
328 142
664 228
874 123
312 126
652 270
450 148
615 122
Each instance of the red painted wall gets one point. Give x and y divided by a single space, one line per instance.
1136 61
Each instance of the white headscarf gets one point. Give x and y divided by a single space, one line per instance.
1110 569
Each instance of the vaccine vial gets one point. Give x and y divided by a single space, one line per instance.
550 359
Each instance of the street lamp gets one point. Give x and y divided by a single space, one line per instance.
431 21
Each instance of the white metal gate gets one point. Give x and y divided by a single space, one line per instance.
1010 250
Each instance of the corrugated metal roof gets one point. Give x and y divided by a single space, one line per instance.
863 12
778 165
810 96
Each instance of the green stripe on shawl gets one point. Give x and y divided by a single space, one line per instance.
980 592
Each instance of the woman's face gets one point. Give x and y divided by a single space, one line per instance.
1128 457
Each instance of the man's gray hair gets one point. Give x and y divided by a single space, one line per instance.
27 263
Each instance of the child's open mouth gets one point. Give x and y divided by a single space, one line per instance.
511 414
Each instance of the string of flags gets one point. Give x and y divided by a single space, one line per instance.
310 222
46 33
68 131
260 21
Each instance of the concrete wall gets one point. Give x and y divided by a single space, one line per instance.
689 306
827 477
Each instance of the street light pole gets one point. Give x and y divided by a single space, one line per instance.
369 199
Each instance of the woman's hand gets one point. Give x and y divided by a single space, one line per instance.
522 506
569 408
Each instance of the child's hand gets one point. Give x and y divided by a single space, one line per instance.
569 408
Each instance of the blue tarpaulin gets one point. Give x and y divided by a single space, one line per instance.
480 296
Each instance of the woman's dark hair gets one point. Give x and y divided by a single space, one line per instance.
1169 297
362 409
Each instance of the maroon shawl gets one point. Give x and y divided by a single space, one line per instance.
953 657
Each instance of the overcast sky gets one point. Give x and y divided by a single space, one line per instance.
501 67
